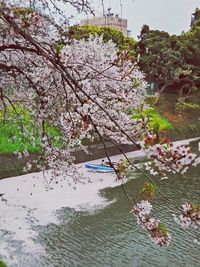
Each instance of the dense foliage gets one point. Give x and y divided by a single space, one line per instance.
2 264
123 43
165 58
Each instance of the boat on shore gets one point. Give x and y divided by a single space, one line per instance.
98 167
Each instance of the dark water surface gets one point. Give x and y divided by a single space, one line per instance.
111 237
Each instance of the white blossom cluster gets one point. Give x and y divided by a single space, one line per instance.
156 230
107 91
190 216
83 89
168 157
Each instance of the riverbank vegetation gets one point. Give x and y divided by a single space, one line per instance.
14 122
171 63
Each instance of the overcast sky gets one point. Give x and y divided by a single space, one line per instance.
173 16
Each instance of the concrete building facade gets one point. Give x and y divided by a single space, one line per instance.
109 20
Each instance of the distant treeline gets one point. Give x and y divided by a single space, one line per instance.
161 56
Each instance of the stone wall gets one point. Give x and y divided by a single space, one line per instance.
10 165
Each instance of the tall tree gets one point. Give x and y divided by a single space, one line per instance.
195 21
158 56
123 43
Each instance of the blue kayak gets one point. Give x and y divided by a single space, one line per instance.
98 167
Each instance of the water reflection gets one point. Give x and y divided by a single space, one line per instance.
111 236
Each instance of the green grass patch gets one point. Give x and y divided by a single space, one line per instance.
14 138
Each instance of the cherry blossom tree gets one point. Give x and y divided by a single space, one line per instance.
85 90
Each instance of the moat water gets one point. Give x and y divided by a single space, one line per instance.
98 229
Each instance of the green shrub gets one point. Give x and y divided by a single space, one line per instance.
155 121
2 264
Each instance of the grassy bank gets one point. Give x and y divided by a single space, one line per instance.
17 132
11 140
180 124
185 121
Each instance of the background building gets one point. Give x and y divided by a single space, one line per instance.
109 20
